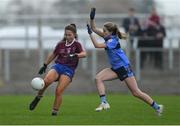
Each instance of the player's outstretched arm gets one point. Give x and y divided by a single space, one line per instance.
95 43
82 54
48 60
92 23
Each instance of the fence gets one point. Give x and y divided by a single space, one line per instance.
94 59
39 39
170 50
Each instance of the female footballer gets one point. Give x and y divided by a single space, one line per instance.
66 55
120 64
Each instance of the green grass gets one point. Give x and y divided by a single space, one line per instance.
79 109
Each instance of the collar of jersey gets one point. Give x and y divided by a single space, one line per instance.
66 44
106 38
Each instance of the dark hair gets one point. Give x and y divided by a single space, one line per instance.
111 27
131 9
71 27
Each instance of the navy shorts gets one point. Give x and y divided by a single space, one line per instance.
62 69
123 72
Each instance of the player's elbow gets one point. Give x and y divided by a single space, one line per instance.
83 54
93 28
97 46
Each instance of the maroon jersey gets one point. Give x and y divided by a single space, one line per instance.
62 52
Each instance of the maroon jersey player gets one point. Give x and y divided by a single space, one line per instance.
66 55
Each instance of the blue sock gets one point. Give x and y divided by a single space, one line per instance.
103 98
155 105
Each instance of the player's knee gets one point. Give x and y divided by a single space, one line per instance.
98 79
48 80
136 93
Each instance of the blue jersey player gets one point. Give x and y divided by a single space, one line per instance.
120 64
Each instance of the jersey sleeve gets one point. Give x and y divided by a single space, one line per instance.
55 52
111 44
79 48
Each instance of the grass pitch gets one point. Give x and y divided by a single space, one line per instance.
79 110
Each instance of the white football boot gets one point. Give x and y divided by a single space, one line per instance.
160 110
102 106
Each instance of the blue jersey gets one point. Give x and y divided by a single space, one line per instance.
116 55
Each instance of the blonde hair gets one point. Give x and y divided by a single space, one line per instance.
111 27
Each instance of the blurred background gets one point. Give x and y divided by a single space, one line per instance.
29 30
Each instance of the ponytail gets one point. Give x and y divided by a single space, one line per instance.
75 28
122 35
74 25
118 33
111 27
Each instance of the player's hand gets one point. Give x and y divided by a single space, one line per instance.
42 69
89 29
92 13
73 55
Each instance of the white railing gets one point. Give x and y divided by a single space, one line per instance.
37 41
94 60
170 50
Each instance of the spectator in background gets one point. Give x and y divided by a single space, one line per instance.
154 18
156 30
152 37
131 23
158 56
